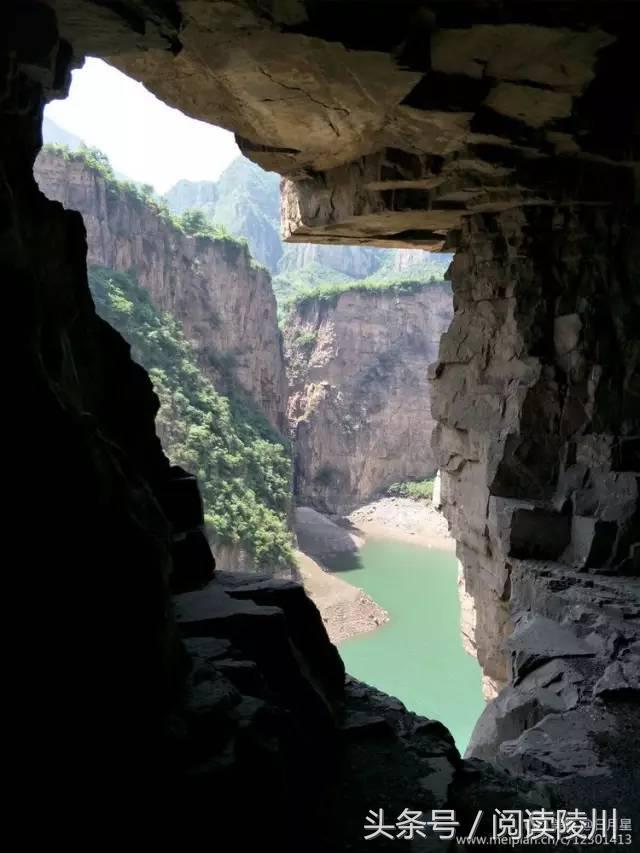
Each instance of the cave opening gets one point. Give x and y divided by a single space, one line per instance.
185 265
504 133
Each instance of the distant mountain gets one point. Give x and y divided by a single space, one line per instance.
246 201
353 261
186 195
53 134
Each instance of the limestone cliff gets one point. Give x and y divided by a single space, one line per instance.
360 406
536 397
401 125
223 302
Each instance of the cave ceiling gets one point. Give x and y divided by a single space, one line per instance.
391 120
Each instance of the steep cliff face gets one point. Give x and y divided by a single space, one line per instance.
224 304
360 404
538 406
536 395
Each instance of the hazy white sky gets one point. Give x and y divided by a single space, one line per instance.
142 137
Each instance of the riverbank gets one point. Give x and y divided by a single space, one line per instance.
347 611
405 520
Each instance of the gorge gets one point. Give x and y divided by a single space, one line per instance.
359 400
501 132
366 348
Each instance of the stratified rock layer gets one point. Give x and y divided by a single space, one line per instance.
223 302
537 397
391 126
360 404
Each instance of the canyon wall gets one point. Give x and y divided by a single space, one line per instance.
505 130
223 302
537 398
360 399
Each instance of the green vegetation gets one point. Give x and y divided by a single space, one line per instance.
248 199
331 292
431 266
288 285
97 161
193 223
298 287
306 340
417 490
245 203
242 464
299 345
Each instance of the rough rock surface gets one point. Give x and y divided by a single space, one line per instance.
398 125
265 675
536 395
392 126
359 405
246 201
224 303
97 555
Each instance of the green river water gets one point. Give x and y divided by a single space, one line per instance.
418 655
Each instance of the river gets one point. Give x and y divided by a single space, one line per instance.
418 655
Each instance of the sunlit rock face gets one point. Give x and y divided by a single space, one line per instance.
360 408
222 300
392 125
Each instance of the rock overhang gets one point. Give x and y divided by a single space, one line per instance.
390 122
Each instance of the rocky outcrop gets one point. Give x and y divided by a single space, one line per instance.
401 123
223 303
574 667
246 201
536 397
359 407
264 672
115 524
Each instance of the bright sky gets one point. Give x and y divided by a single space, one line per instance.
142 137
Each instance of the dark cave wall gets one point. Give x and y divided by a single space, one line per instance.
537 394
128 719
88 484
